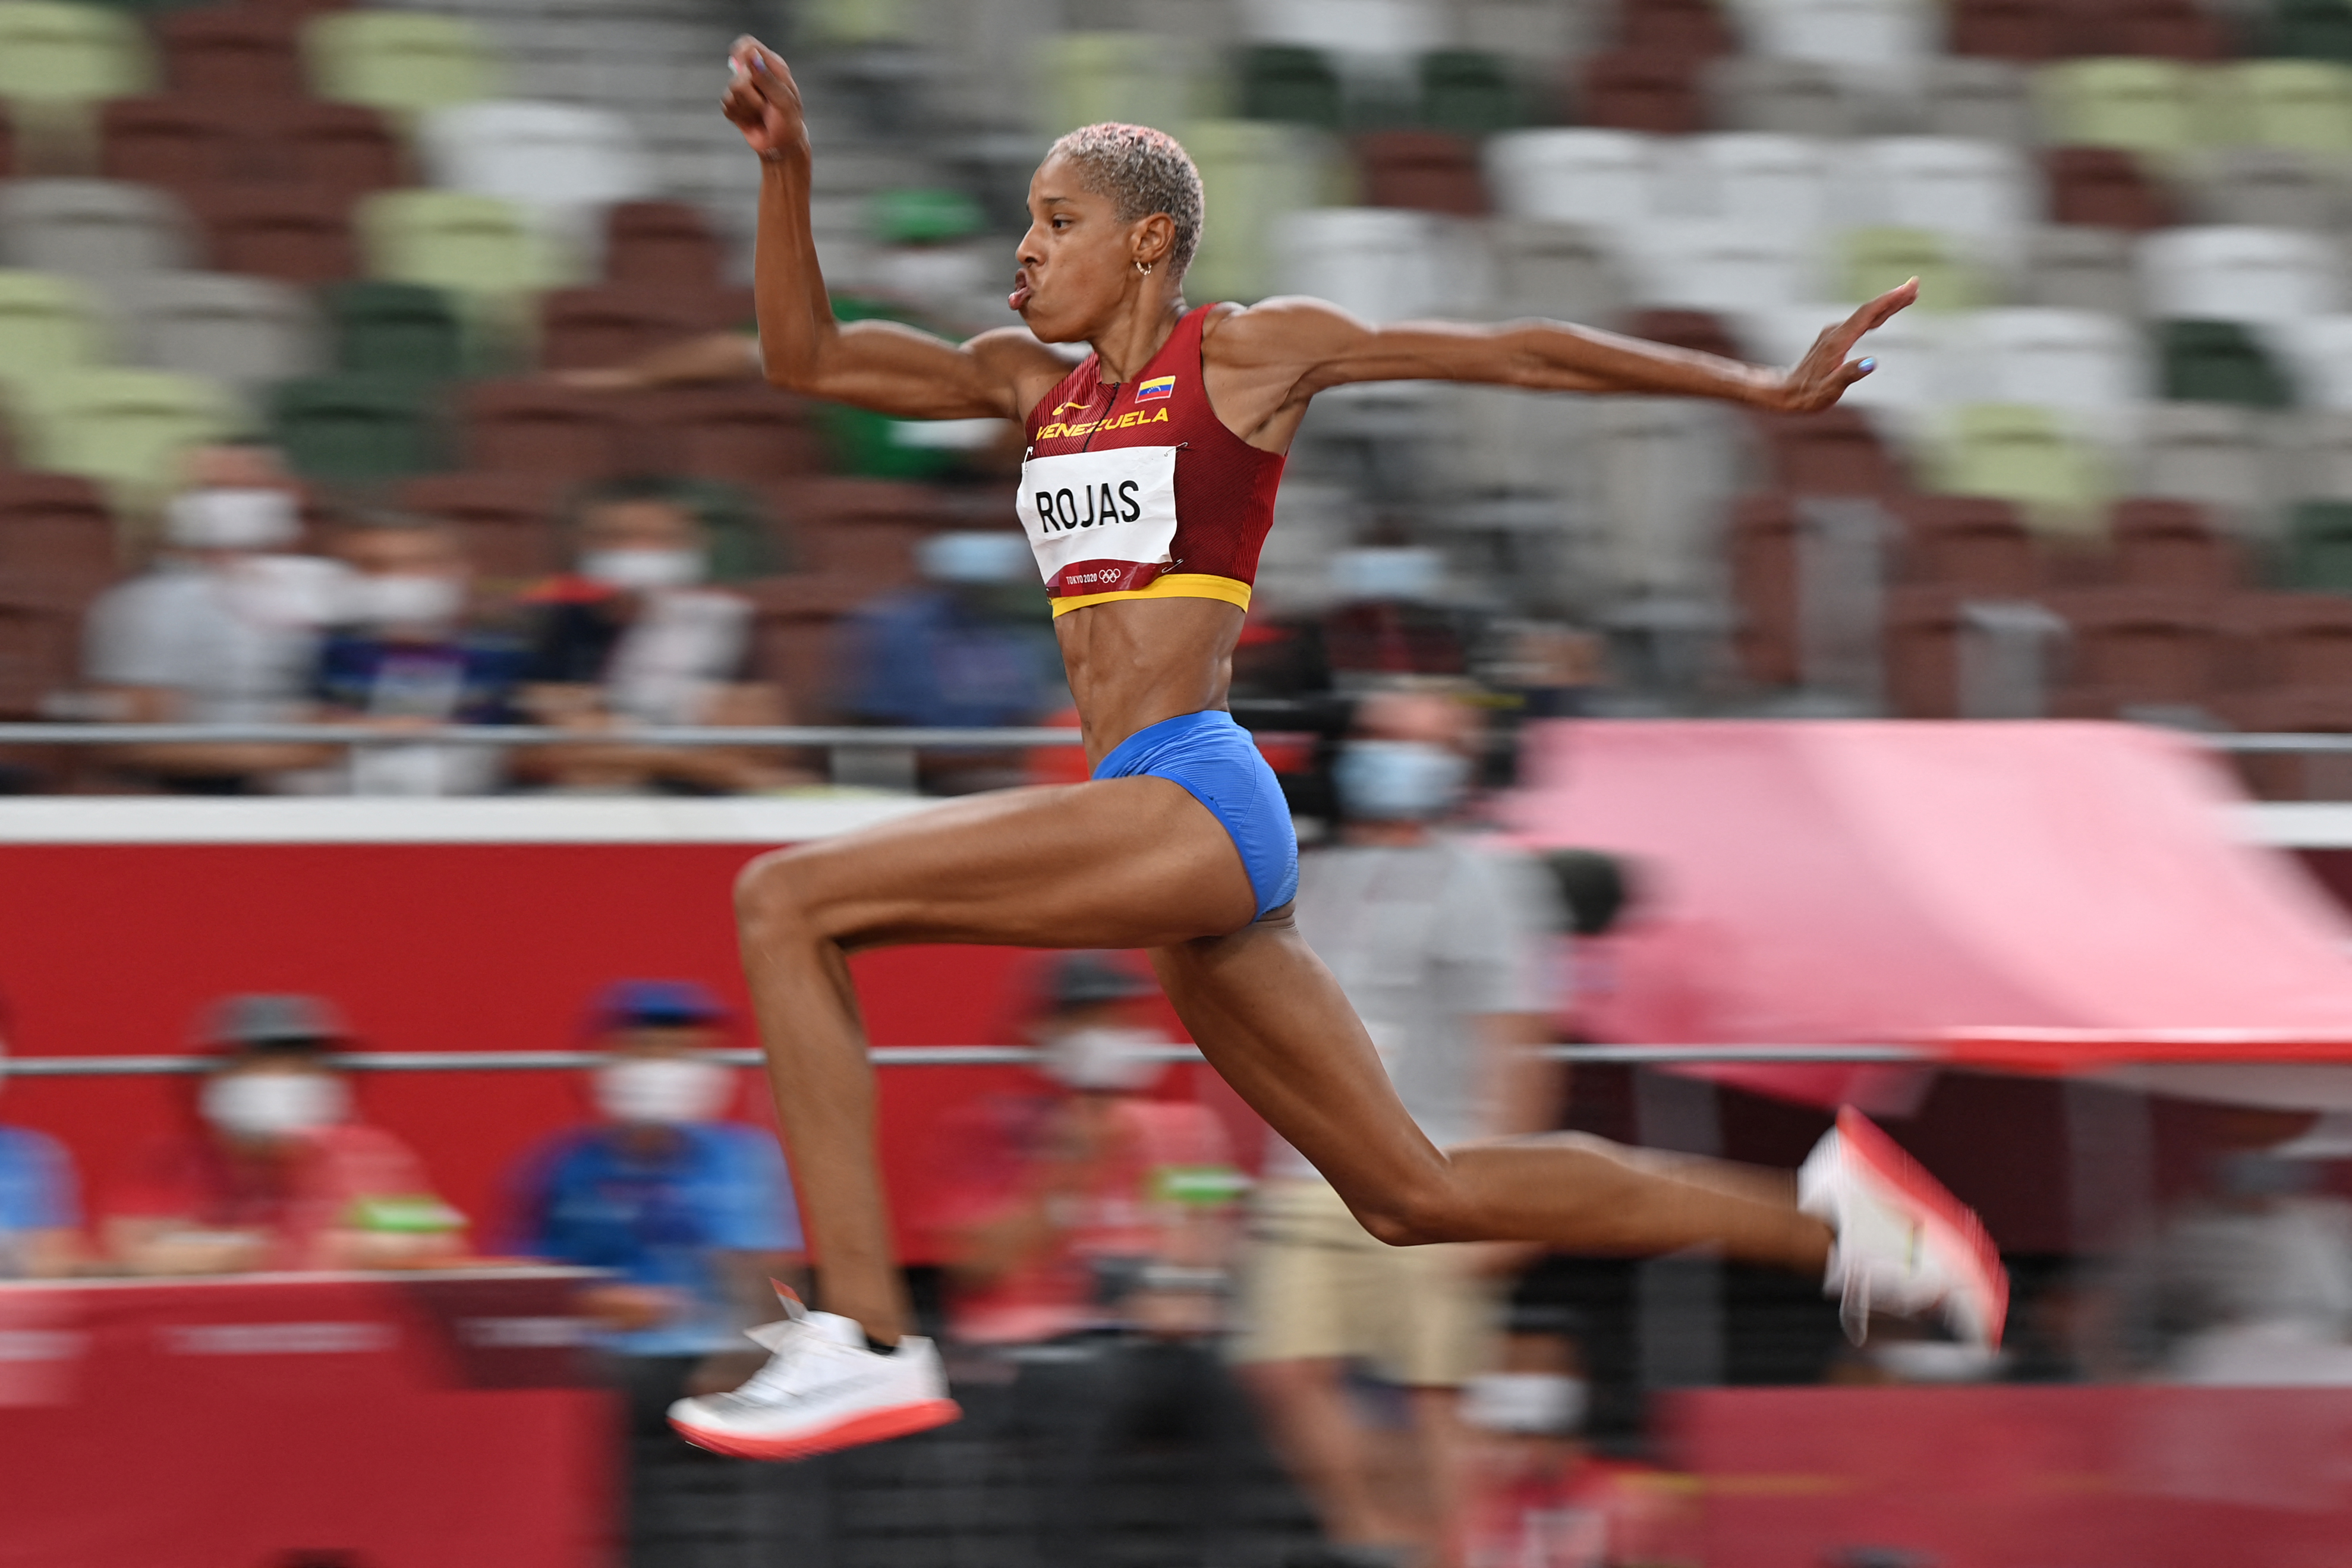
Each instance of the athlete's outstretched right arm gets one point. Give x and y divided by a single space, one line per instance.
874 364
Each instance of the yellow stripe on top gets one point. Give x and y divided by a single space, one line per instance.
1174 585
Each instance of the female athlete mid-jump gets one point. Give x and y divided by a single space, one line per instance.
1148 489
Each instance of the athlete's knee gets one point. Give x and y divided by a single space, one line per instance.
773 894
1419 1213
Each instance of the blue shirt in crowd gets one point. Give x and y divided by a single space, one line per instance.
37 1190
591 1199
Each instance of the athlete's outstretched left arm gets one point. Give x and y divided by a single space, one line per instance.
1290 349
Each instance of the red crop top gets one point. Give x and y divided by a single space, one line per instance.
1139 492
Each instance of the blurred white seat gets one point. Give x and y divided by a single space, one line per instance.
2213 454
1664 471
1913 381
2317 351
1394 28
1791 97
1565 271
1606 178
2270 188
1878 45
561 160
1978 193
2074 268
248 331
2091 366
1758 177
2234 274
1384 264
1989 101
2324 457
96 230
1719 264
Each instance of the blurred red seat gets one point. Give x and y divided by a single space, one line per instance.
2139 649
1765 591
582 328
859 531
2166 30
296 234
1429 170
667 244
2291 641
2297 710
1640 89
1833 453
38 654
180 142
2026 31
2104 187
508 521
1702 332
57 546
232 53
1695 30
343 147
7 142
534 428
1973 544
1923 651
748 434
2174 545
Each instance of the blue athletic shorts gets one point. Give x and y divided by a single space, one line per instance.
1219 765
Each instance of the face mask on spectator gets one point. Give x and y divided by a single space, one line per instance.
275 1104
1104 1061
663 1090
1531 1404
232 520
1399 781
644 571
406 599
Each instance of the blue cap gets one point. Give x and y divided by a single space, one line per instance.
656 1003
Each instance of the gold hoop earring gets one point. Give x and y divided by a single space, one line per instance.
1145 268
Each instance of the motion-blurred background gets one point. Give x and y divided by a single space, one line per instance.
375 1163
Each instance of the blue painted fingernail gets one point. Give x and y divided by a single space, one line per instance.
1868 365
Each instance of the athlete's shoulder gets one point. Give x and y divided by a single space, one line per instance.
1288 326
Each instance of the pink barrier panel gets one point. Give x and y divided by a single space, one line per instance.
2118 1477
220 1425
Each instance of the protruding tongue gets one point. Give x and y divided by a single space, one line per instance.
1020 295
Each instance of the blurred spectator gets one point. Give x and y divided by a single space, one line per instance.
40 1208
634 638
1096 1262
222 630
2250 1284
693 1214
1538 1497
401 655
1392 618
280 1174
972 648
1443 947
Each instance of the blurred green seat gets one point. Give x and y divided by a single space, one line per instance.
2310 30
1283 81
2320 546
921 215
2152 107
124 429
2023 454
1086 78
2220 362
487 253
407 329
47 324
1873 261
2302 105
1253 173
55 55
398 62
355 429
1471 93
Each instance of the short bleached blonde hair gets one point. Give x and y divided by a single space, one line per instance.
1143 172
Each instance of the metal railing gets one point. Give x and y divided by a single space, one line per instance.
913 1057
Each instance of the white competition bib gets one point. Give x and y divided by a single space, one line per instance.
1100 522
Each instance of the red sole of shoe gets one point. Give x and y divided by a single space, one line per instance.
880 1427
1962 1229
